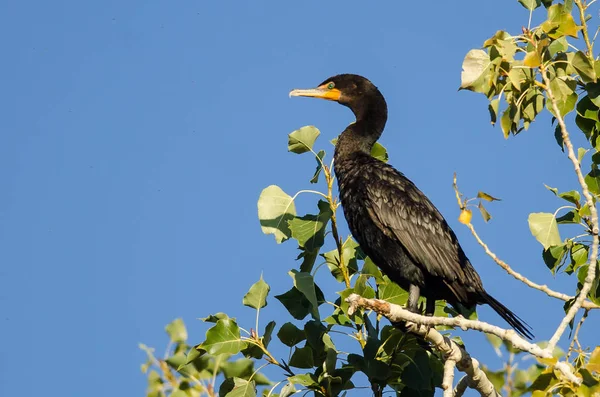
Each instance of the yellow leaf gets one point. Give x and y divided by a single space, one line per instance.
594 364
465 216
548 361
532 59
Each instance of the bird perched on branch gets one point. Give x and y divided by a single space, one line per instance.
392 220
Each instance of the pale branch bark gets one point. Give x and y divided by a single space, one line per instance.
592 260
461 386
588 305
448 379
454 355
396 313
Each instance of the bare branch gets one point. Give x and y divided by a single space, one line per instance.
461 386
588 305
452 352
587 285
576 334
448 379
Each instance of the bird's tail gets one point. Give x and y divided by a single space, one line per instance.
512 319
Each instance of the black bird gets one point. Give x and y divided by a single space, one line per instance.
392 220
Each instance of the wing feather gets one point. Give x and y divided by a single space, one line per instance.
406 214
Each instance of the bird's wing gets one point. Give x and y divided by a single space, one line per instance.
404 213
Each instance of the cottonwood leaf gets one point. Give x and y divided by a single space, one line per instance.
275 209
303 139
177 331
544 228
256 297
475 75
237 387
223 337
305 284
309 230
290 335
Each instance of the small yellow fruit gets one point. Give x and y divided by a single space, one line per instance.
465 216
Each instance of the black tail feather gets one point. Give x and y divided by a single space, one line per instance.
512 319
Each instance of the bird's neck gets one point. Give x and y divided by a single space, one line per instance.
361 135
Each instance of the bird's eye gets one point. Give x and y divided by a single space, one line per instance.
330 86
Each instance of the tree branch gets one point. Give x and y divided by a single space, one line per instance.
396 313
457 355
588 305
448 379
591 273
461 386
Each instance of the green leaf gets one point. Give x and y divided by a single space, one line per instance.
371 269
223 338
487 197
213 318
584 67
559 138
302 357
241 368
558 45
290 335
496 377
594 294
494 340
296 303
530 4
236 387
309 230
593 90
579 257
256 297
569 217
303 139
506 122
553 256
308 259
544 228
361 288
571 196
379 152
275 209
476 75
176 331
287 390
560 23
350 254
391 292
305 284
303 379
319 159
592 179
266 338
493 109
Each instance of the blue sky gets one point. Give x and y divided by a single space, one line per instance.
137 136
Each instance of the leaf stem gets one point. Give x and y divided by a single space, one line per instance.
584 29
334 230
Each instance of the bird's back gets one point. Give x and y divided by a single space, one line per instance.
403 232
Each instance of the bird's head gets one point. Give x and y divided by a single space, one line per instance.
347 89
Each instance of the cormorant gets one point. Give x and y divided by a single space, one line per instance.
395 224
